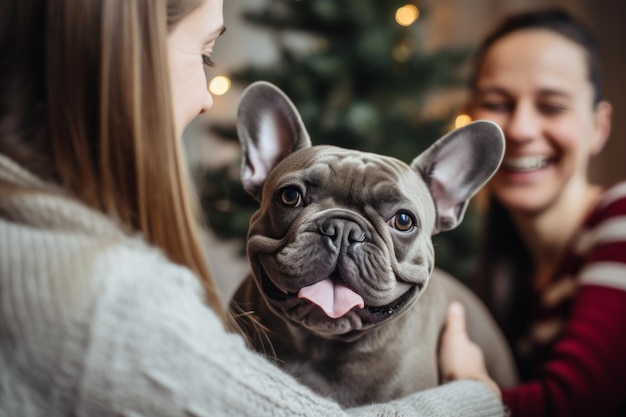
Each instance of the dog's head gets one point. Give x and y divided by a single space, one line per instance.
342 239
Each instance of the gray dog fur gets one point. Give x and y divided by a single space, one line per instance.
361 224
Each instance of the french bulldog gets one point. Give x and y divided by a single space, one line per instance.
343 276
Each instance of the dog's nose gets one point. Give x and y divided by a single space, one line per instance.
340 230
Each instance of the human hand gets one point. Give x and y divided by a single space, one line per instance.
459 357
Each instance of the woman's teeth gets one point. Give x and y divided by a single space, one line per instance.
525 163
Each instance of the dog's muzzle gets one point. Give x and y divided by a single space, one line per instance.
304 312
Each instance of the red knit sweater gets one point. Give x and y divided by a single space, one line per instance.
577 337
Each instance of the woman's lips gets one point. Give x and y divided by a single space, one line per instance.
525 163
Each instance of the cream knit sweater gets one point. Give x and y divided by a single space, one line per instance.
96 323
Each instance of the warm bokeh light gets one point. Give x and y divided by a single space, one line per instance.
461 120
407 14
401 52
219 85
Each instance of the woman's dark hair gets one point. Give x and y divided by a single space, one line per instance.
555 20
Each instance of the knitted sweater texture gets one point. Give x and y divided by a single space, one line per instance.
94 322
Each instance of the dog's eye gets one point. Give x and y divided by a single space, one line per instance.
403 222
291 197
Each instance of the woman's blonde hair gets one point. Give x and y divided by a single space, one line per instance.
87 101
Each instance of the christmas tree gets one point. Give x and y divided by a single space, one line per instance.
360 78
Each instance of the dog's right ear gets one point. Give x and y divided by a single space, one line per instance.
269 128
457 165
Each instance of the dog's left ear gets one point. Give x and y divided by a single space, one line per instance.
457 166
269 129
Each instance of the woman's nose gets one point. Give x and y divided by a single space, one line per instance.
207 102
523 124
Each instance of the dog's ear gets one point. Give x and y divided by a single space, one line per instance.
457 166
269 129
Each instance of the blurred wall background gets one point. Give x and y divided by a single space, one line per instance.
449 23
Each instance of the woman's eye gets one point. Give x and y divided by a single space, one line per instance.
206 59
291 197
495 106
551 109
403 222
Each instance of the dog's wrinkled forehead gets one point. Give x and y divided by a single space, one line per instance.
354 178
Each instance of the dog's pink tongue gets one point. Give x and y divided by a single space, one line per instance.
334 298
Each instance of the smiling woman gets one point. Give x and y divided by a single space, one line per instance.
553 265
533 85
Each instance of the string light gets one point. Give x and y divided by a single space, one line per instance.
461 120
407 15
219 85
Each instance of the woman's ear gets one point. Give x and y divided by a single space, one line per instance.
603 114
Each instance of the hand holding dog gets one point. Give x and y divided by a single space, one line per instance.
459 357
